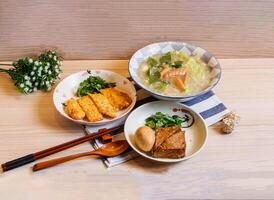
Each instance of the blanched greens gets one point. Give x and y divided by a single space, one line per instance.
160 119
93 84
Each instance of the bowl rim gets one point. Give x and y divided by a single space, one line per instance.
167 160
171 96
134 99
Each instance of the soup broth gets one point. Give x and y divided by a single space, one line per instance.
175 74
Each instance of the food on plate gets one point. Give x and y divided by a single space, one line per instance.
93 84
169 143
103 105
145 138
92 113
98 99
162 136
73 109
175 73
160 119
118 99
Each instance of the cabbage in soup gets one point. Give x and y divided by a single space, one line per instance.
175 73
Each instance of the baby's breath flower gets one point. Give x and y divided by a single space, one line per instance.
26 89
32 74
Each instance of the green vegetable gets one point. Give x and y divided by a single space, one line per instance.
153 74
162 86
197 72
32 74
165 59
160 119
179 55
177 64
93 84
152 62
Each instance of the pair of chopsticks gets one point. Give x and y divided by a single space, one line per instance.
41 154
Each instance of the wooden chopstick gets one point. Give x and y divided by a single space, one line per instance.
41 154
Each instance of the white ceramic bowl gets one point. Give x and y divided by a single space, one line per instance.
195 136
67 88
142 54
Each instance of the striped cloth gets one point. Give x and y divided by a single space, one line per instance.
208 105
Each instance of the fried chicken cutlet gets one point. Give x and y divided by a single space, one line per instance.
91 111
103 105
117 98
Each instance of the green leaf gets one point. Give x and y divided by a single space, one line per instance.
153 74
177 64
159 120
93 84
166 58
152 62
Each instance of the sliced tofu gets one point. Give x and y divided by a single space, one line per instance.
91 111
117 98
103 105
73 109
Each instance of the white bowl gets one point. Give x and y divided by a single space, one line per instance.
195 136
67 88
142 54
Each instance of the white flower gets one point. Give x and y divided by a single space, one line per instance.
49 88
34 68
59 63
28 83
48 64
57 70
22 85
54 58
49 72
30 60
33 78
36 63
36 83
26 77
34 89
40 63
47 82
50 55
30 90
40 68
32 73
26 89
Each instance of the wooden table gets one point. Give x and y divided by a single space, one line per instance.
239 165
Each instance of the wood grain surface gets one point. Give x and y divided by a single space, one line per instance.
114 29
235 166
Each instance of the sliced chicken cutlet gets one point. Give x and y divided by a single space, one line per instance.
117 98
73 109
103 105
91 111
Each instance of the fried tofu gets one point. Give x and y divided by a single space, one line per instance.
169 143
73 109
91 111
103 105
117 98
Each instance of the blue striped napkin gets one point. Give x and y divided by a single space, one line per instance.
208 105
